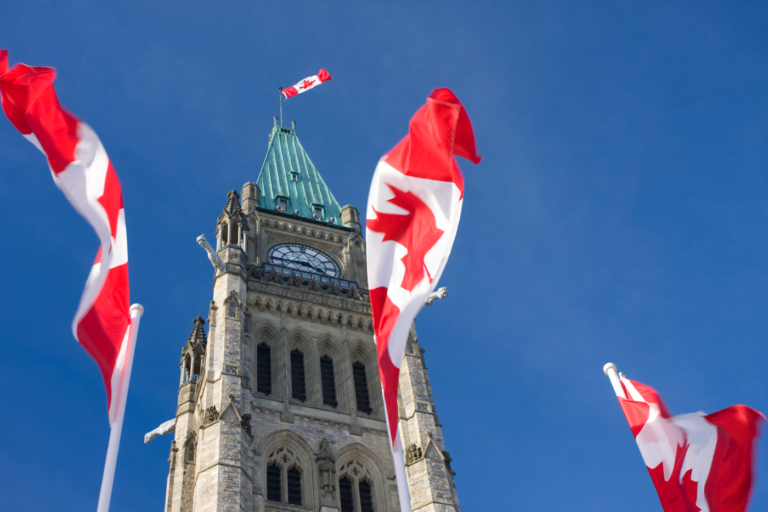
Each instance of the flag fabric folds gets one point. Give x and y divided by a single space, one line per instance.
81 169
307 84
413 213
697 462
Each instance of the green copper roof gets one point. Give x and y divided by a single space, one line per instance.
288 173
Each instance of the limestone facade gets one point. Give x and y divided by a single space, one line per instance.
255 431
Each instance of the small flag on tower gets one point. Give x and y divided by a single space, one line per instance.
307 84
697 462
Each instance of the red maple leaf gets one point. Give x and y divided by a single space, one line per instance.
416 231
306 84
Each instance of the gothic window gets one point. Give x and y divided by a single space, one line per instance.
361 388
294 486
264 369
274 492
329 384
355 488
232 309
190 448
284 478
298 384
366 496
345 495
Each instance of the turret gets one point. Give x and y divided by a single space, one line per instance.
231 226
192 366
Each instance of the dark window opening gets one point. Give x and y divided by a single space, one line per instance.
361 388
282 204
273 483
366 496
298 384
294 486
263 369
317 212
345 494
329 384
189 453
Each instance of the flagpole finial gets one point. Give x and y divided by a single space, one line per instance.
609 366
136 310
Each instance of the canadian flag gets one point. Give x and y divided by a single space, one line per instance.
81 169
104 324
307 84
698 462
413 213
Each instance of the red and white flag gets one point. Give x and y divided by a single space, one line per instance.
413 213
307 84
81 169
698 462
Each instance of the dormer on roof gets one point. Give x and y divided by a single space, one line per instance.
290 183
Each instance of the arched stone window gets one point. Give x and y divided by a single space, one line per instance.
355 488
284 477
362 396
190 448
264 369
298 379
328 381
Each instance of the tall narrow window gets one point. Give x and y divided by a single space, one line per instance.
329 384
297 376
361 388
366 496
294 486
273 483
282 204
263 369
345 494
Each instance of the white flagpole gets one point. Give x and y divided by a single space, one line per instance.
610 370
117 427
397 455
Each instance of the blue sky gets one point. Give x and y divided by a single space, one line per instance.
620 214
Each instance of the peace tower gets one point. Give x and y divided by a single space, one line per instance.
280 405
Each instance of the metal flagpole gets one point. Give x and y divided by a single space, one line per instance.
117 427
610 370
281 105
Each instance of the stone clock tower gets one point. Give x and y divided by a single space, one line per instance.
279 403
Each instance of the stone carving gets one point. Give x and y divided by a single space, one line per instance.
211 414
441 293
447 459
354 294
412 454
212 255
245 422
326 466
165 428
334 290
313 286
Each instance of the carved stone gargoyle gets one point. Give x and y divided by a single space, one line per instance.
211 414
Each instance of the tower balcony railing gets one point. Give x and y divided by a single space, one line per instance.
320 278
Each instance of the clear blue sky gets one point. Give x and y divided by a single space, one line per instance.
620 214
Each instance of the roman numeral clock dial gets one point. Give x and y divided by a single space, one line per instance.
303 258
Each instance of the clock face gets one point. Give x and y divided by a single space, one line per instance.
303 258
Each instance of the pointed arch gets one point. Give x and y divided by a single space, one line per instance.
357 463
265 357
286 450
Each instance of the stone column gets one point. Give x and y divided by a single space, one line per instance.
428 469
223 482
